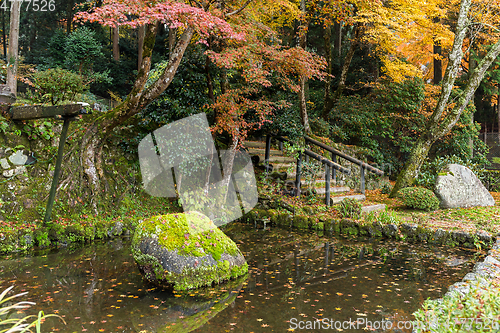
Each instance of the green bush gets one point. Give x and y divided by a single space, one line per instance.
419 198
350 208
385 187
490 179
55 85
476 311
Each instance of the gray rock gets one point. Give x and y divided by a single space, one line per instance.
117 230
461 188
390 230
470 277
409 229
461 236
8 173
18 158
460 287
5 165
440 235
376 229
373 208
185 251
483 236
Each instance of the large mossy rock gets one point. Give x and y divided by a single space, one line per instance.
460 187
185 251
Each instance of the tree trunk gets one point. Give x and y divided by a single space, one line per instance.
138 98
69 16
437 128
172 34
498 117
4 38
210 83
412 166
343 76
328 57
438 66
472 67
302 92
12 55
303 106
116 46
140 44
337 39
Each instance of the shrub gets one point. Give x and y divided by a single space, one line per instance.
350 208
480 306
55 85
385 187
419 198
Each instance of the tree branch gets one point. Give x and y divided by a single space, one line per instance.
159 86
240 9
455 59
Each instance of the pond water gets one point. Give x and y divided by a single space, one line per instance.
294 280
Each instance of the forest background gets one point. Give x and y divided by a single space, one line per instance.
364 73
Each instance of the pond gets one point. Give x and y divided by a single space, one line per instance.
294 280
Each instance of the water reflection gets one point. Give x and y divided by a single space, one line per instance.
97 288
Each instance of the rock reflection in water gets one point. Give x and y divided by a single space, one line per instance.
190 310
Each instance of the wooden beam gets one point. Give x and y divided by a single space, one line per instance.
40 111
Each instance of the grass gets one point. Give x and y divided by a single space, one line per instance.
468 219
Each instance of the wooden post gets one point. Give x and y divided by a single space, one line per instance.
55 180
334 171
362 169
297 176
268 151
327 185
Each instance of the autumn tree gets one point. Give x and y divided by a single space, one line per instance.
256 59
448 110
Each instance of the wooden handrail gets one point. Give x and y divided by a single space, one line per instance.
345 156
327 161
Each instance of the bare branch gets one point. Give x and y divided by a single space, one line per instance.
240 9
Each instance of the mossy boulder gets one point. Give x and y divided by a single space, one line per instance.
185 251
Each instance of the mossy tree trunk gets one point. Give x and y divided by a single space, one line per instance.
139 97
438 126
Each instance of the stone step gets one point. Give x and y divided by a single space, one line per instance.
257 151
335 189
373 208
255 144
275 159
337 200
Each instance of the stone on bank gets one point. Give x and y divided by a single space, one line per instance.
185 251
459 187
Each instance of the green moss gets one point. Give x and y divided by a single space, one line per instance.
8 240
284 220
318 225
190 234
335 226
363 230
41 236
273 216
301 222
192 278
